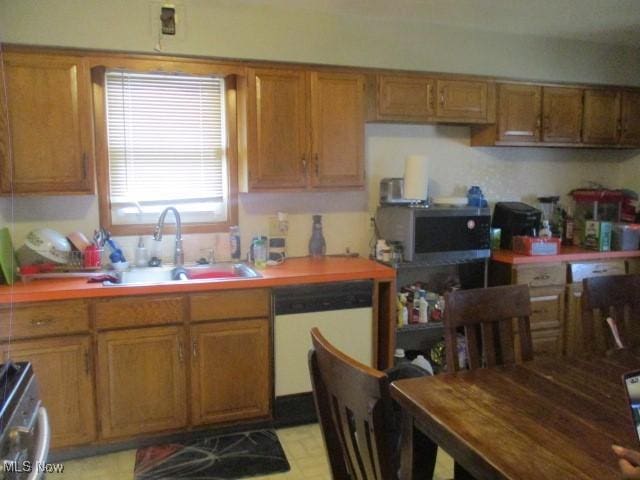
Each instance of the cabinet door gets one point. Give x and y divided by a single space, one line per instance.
405 98
519 113
630 118
337 109
63 371
50 125
561 114
230 371
601 116
277 129
141 381
462 100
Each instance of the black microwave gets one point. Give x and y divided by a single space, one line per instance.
437 234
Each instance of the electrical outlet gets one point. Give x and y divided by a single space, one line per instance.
274 227
278 228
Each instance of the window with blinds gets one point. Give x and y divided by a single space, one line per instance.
167 143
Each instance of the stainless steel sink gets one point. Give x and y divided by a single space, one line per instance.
168 274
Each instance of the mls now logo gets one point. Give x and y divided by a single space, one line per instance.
28 467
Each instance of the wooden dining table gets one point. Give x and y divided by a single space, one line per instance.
550 418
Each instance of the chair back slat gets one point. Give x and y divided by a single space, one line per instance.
526 342
354 409
488 338
493 310
471 342
507 352
615 296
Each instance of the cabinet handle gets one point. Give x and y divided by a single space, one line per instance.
604 270
40 322
86 361
304 163
316 160
542 277
442 100
194 349
180 353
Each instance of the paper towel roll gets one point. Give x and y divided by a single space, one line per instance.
416 180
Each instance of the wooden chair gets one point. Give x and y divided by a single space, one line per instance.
354 408
615 296
486 316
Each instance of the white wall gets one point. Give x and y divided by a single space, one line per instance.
227 28
276 34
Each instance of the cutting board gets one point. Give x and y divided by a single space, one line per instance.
8 263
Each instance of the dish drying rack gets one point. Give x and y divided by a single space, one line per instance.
74 268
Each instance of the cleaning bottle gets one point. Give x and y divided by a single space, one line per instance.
423 307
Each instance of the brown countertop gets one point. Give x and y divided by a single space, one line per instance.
294 271
567 254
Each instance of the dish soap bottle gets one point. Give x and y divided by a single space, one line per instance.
545 231
317 245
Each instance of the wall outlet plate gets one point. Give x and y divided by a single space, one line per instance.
278 228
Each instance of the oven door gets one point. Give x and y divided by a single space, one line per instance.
445 239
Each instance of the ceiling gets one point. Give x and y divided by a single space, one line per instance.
602 21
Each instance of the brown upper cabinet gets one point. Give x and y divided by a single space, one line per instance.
47 146
630 118
462 100
420 98
305 130
530 114
405 98
536 115
561 114
612 117
601 117
519 113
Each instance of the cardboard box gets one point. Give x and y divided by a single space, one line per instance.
597 235
535 245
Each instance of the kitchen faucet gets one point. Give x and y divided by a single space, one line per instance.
178 255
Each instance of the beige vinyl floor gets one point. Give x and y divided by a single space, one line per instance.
302 445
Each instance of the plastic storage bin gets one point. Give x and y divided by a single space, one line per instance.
625 236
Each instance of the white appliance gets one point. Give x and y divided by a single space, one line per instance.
342 312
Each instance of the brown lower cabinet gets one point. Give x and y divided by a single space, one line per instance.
229 370
64 373
141 381
555 289
546 289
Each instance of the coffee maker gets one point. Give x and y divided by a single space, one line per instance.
515 218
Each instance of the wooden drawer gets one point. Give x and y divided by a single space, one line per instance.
139 311
228 305
633 266
580 271
540 275
547 342
44 319
547 309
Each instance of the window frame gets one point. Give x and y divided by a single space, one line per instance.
230 75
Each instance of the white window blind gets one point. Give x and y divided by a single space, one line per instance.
167 142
